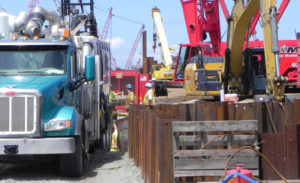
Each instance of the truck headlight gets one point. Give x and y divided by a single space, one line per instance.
57 124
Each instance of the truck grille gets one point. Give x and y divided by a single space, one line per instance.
19 114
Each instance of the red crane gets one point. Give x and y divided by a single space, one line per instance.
32 4
106 25
114 64
132 52
104 35
201 17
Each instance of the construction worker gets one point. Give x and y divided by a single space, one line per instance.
149 96
114 139
111 96
153 84
130 99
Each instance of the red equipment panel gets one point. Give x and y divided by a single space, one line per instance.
143 79
120 78
298 59
288 57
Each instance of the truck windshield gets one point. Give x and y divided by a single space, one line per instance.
33 60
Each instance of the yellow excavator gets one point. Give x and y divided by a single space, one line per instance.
256 70
248 71
162 73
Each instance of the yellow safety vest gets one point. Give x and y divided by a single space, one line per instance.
111 96
149 95
114 141
130 99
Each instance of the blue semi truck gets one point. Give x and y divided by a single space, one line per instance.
54 85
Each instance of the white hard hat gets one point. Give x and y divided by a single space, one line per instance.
153 79
149 85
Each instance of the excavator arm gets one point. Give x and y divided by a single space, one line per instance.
239 65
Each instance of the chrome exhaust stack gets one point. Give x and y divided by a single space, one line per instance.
20 21
37 19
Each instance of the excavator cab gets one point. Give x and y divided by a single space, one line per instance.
182 61
255 79
202 75
187 53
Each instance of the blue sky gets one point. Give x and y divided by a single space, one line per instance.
130 14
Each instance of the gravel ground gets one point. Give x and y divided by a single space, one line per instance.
111 167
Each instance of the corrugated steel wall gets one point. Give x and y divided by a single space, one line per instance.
150 135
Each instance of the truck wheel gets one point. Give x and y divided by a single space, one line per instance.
106 137
71 165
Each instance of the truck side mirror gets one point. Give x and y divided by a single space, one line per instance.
90 68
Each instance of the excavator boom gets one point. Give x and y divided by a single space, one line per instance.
243 68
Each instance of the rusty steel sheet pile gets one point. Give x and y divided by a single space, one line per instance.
151 136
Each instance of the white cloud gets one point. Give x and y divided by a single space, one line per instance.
116 43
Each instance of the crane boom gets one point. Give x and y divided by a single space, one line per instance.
135 44
106 26
201 17
166 55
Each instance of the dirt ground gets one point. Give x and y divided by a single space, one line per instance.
111 167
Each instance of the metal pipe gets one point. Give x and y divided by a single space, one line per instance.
233 175
274 36
21 21
37 19
49 15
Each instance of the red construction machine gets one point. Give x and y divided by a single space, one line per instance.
202 20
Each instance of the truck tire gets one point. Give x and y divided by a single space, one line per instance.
71 165
106 136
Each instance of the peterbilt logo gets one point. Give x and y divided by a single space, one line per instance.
288 49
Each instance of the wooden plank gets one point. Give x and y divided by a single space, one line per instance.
212 164
199 173
213 153
216 140
213 126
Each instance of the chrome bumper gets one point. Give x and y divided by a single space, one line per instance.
26 146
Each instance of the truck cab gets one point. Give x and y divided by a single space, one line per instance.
54 90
